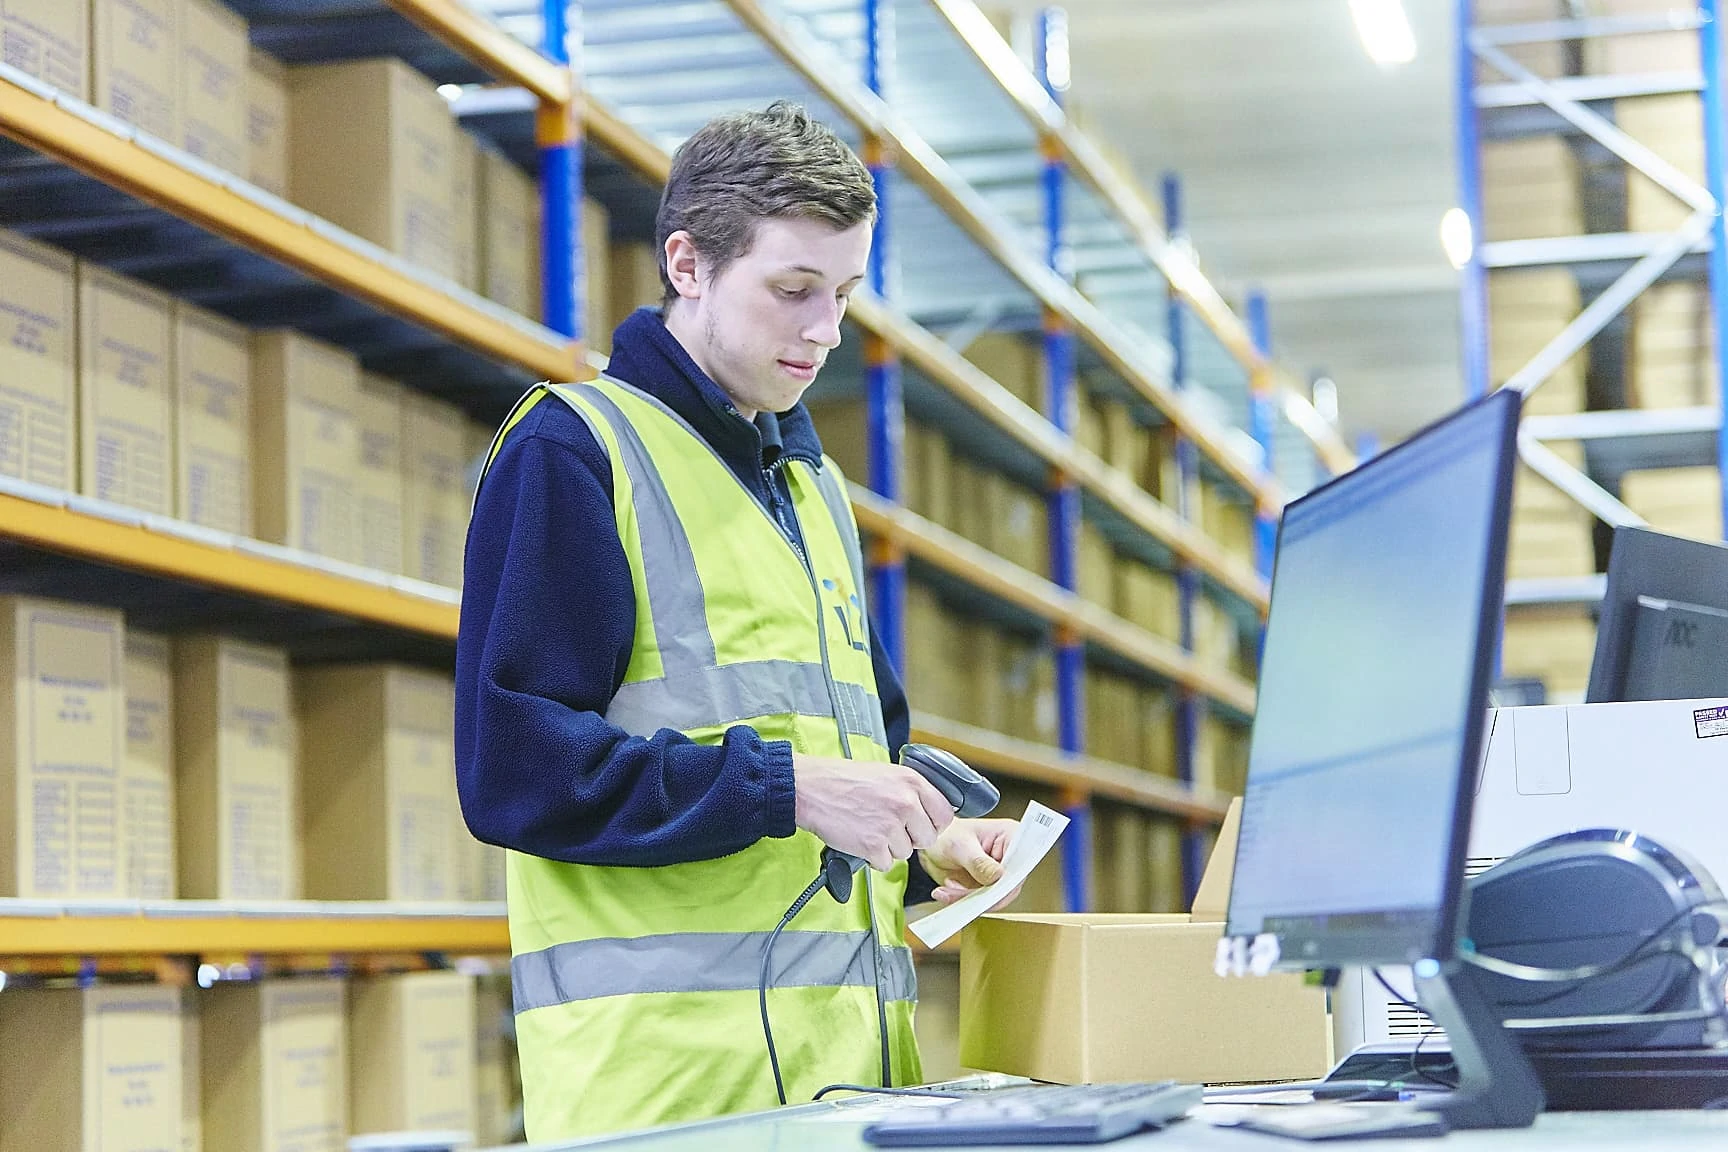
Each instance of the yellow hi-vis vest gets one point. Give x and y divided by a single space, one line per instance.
636 988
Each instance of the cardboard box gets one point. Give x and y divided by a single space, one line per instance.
929 488
62 743
493 1062
267 122
1020 521
147 776
435 498
1530 188
192 1072
1095 998
214 67
1029 680
465 210
238 789
306 444
97 1069
135 63
1156 708
634 268
378 768
125 395
1147 597
371 147
50 40
379 484
1553 645
1679 501
1094 566
411 1037
212 421
38 363
275 1062
1014 361
596 255
509 233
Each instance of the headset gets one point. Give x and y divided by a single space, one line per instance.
970 795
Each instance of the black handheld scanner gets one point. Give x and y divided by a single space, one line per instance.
968 792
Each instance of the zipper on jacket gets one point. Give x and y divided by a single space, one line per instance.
821 613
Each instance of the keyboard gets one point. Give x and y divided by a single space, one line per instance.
1069 1114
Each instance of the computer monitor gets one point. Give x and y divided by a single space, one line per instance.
1379 650
1663 633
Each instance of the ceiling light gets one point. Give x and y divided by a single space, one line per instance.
1385 31
1325 391
1456 236
449 91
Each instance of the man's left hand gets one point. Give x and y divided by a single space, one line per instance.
967 856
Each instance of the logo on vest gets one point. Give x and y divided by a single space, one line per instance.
850 610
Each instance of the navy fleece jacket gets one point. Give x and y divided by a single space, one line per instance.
548 619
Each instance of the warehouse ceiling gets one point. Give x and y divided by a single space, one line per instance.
1307 169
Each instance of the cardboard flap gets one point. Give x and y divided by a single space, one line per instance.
1212 898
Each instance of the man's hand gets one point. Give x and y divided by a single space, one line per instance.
881 812
968 856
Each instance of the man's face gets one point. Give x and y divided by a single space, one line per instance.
763 327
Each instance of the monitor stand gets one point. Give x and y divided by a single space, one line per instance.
1497 1084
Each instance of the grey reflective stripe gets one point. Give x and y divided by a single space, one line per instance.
704 962
713 697
828 484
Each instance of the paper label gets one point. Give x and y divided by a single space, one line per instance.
1710 722
1039 830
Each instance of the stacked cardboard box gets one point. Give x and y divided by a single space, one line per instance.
267 122
50 40
929 476
1147 597
1095 566
1527 309
634 269
212 421
1227 519
147 784
275 1066
1551 532
508 233
1014 361
1157 711
1019 523
125 391
494 1063
435 497
1121 867
596 252
411 1053
377 761
39 362
1113 730
466 221
1662 52
1530 187
136 63
1679 501
1673 356
935 671
1552 645
1673 128
62 749
214 72
239 828
1545 58
379 485
306 444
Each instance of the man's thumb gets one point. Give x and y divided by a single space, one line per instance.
985 868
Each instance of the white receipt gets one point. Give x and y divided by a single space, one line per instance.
1039 830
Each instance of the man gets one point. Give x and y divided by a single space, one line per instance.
668 696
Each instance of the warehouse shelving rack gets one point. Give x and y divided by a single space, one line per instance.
1622 265
84 182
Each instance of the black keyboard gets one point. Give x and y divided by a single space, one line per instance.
1076 1114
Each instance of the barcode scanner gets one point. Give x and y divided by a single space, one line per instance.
967 792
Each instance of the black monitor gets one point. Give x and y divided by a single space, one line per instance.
1380 647
1663 633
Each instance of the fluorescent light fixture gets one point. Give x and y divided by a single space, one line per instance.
1456 237
1385 31
1326 398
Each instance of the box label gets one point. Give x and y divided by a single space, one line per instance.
137 57
38 310
306 1074
124 373
257 781
213 85
440 1054
214 482
49 39
1710 722
133 1068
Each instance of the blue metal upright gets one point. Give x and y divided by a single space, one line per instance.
1262 420
558 134
884 407
1716 180
1050 59
1190 706
1473 301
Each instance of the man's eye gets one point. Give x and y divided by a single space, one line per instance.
791 293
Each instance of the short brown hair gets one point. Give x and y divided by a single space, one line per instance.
751 166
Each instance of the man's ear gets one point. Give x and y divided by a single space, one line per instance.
682 264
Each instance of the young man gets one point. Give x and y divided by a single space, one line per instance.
668 695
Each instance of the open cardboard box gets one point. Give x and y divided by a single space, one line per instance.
1082 998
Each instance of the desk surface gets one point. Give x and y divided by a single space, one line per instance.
837 1127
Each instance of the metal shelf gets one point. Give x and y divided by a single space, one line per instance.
85 182
1040 764
192 927
171 575
1555 591
1598 248
1626 439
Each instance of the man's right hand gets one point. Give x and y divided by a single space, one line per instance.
881 812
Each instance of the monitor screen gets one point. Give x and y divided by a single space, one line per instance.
1386 600
1663 633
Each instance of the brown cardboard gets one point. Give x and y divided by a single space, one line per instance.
1095 998
411 1037
238 788
634 268
596 275
212 421
377 757
50 40
371 145
306 443
191 1072
135 63
379 485
147 777
494 1092
214 63
465 210
103 1071
275 1061
62 742
1016 362
1212 898
509 238
435 500
38 362
125 395
267 122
